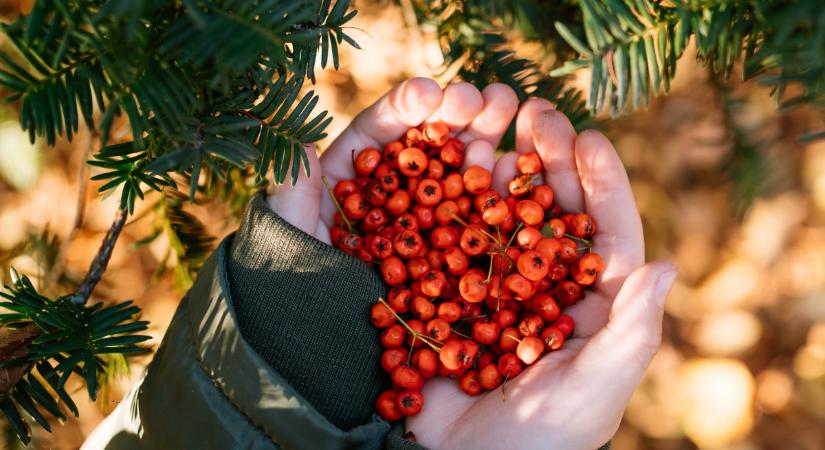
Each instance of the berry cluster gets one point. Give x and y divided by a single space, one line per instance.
478 281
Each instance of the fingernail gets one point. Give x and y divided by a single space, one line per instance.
663 285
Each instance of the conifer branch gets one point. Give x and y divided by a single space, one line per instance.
101 260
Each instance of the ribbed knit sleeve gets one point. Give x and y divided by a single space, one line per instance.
303 306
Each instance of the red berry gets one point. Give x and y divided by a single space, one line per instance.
355 206
433 283
412 162
428 192
381 316
456 260
553 338
438 329
543 195
422 309
436 134
529 212
530 325
489 377
386 406
528 238
485 331
393 271
472 287
452 153
426 361
509 339
565 324
473 241
408 244
509 365
343 189
391 152
505 318
546 307
417 267
469 383
520 185
406 377
393 336
529 349
457 355
367 161
409 403
533 265
392 358
529 163
567 292
477 179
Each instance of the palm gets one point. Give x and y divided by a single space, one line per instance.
572 398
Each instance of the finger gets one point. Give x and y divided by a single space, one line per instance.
524 123
460 104
590 314
500 106
322 233
504 172
405 106
300 205
479 153
615 359
554 138
609 200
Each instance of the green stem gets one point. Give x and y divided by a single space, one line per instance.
337 205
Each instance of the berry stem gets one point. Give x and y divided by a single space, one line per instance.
433 343
412 347
478 316
586 242
337 205
515 232
503 387
461 334
462 222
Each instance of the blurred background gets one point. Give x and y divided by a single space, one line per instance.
725 189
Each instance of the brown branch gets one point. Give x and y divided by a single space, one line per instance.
79 216
101 260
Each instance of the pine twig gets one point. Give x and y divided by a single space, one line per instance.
79 216
101 260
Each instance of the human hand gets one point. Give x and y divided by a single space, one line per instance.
572 398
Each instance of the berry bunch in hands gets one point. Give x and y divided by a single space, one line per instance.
571 398
479 281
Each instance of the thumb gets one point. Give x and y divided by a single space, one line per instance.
615 358
300 205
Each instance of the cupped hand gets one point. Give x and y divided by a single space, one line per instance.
572 398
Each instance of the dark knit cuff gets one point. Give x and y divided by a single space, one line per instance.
303 306
397 440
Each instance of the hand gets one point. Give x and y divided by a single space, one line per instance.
572 398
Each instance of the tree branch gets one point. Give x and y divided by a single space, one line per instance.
101 260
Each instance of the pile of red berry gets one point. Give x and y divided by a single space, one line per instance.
479 281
